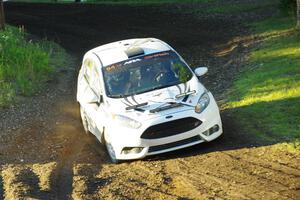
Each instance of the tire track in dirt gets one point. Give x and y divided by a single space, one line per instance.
76 147
277 168
240 183
62 176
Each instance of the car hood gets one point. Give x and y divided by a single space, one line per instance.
158 99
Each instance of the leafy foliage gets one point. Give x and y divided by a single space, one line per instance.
24 65
288 6
183 73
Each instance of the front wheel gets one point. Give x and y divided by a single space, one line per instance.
111 152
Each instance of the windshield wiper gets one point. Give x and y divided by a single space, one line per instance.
136 106
116 96
171 105
185 94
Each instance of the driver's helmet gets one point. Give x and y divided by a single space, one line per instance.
159 67
122 76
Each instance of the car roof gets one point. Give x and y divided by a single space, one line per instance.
123 50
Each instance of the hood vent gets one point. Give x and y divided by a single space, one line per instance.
136 51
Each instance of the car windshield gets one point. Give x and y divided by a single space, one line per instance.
145 73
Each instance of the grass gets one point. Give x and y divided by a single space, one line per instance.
25 65
228 7
266 97
275 25
233 8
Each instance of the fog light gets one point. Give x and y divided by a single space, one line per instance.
129 150
206 133
212 130
215 128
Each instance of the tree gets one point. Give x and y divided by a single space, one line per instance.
298 13
2 18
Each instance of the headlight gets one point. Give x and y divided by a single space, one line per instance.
202 102
126 121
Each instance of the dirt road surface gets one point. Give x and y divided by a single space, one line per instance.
45 154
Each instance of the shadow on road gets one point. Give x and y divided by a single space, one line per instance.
1 187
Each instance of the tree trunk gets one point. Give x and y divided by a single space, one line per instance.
298 14
2 18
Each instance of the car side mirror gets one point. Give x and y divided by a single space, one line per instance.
200 71
100 100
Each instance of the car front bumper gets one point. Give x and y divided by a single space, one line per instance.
128 143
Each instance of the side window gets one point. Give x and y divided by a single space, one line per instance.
91 75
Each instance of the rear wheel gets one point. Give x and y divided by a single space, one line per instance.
84 120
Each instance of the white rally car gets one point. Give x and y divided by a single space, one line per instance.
140 98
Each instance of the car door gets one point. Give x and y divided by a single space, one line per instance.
93 96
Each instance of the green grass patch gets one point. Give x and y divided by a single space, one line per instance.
266 97
275 24
25 65
228 7
233 8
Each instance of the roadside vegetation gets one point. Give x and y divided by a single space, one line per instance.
25 65
266 97
233 8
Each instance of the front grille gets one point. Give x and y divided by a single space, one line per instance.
171 128
174 144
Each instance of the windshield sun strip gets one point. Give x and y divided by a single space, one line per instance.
111 67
